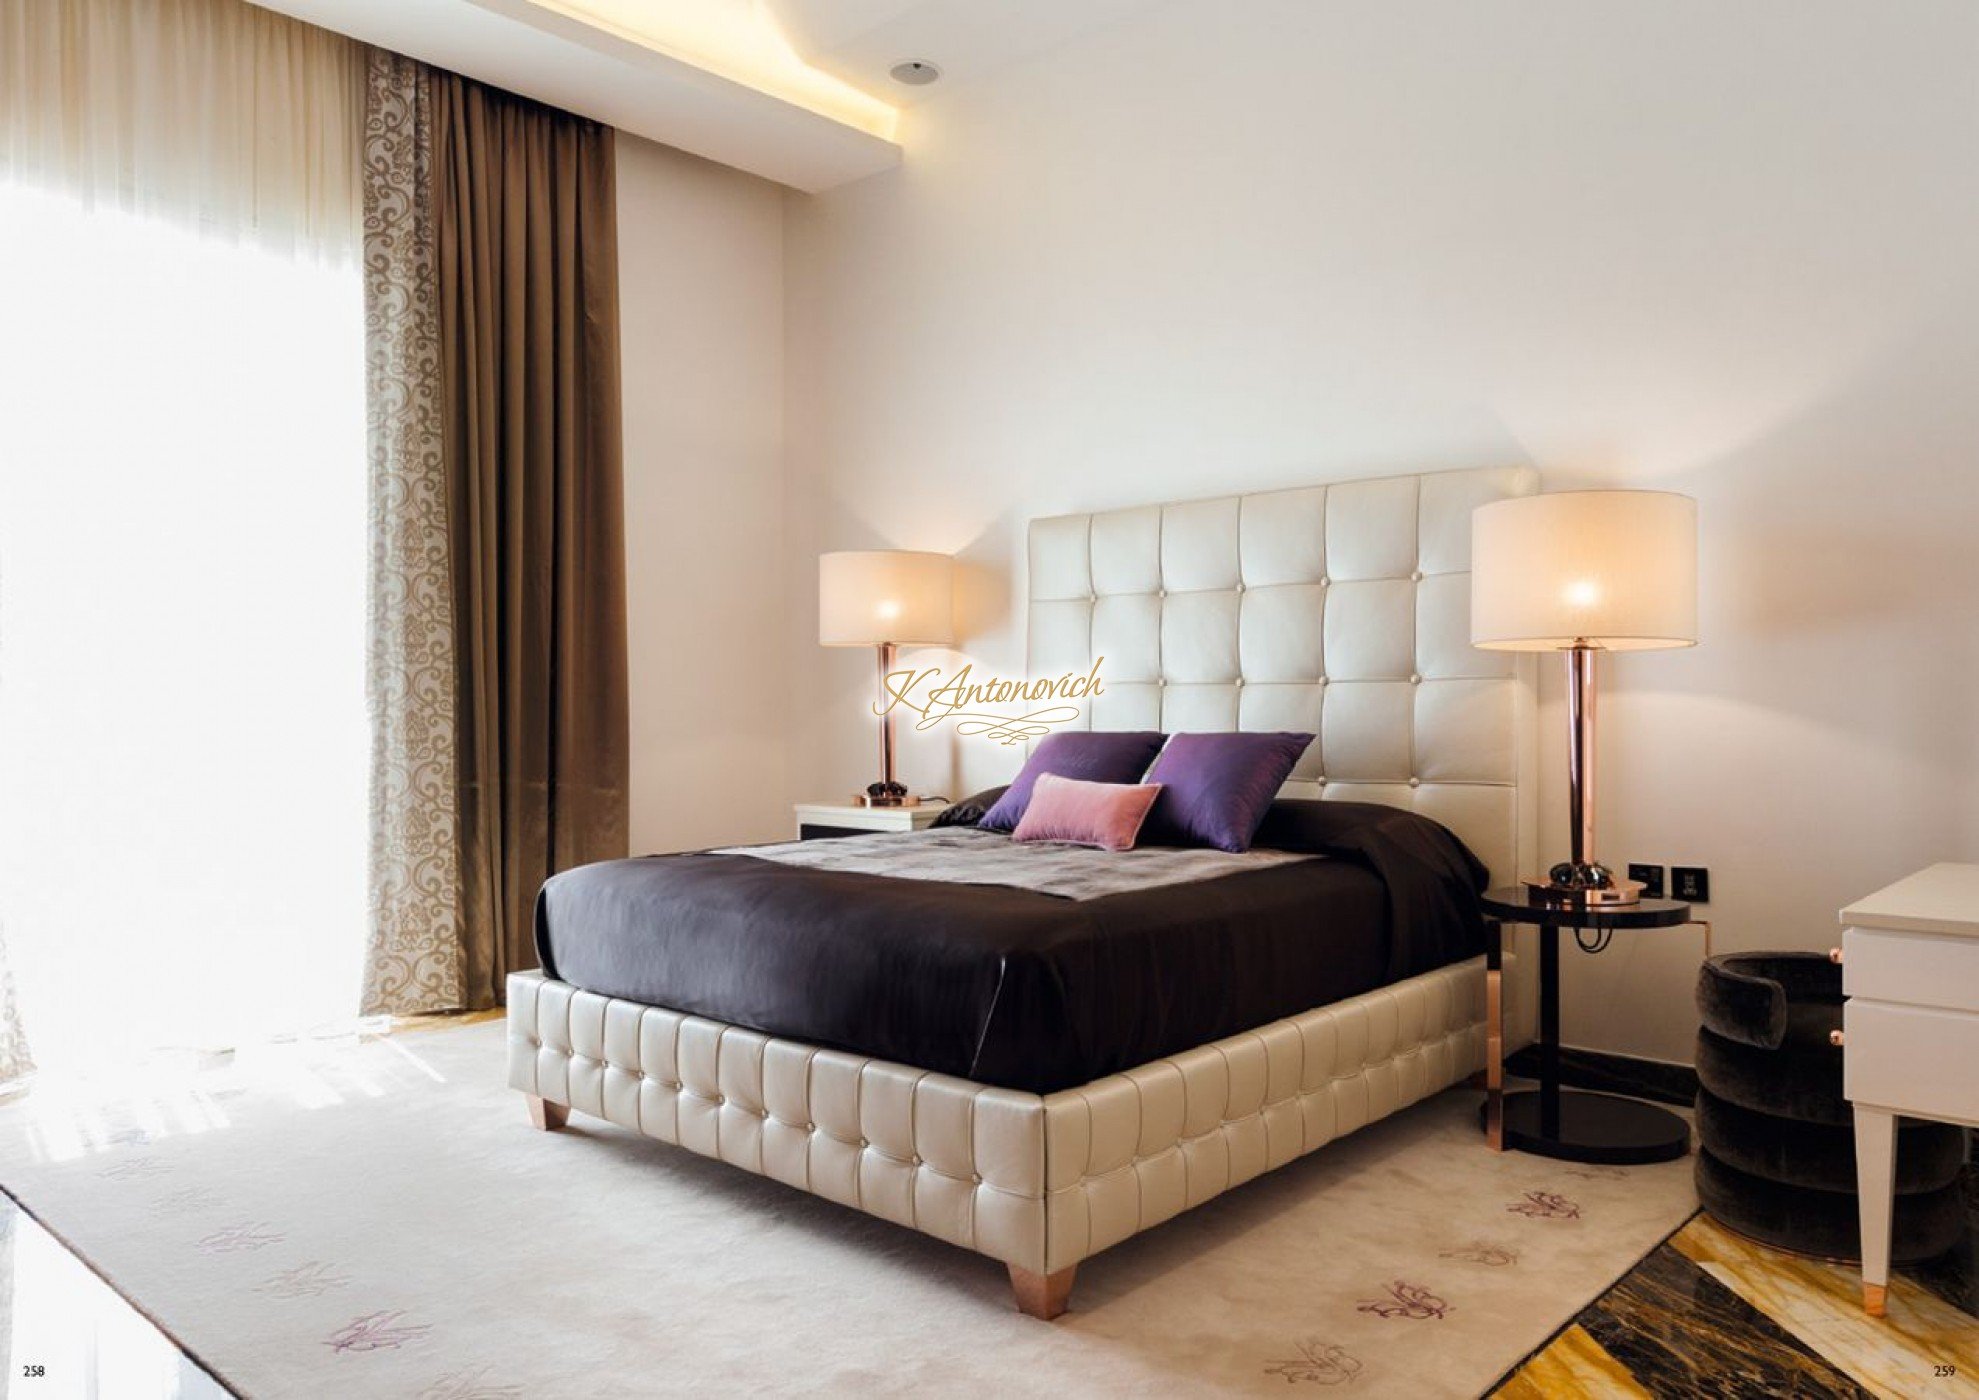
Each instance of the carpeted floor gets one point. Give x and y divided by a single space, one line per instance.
377 1219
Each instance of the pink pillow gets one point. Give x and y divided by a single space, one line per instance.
1107 815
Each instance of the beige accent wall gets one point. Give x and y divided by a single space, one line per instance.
701 327
1721 249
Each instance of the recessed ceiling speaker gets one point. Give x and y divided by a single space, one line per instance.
915 73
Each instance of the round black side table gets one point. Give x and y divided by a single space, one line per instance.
1575 1125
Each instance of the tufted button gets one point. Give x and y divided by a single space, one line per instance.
1416 576
1240 680
976 1177
915 1159
1320 779
1162 681
1161 593
1415 782
1415 678
720 1099
1240 588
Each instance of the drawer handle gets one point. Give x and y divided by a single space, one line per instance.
1837 1038
1835 956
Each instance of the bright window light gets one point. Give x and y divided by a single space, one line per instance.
183 745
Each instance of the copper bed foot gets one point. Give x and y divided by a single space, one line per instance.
1042 1296
1875 1299
546 1116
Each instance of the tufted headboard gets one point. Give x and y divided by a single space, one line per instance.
1341 610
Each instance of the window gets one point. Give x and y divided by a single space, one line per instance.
182 609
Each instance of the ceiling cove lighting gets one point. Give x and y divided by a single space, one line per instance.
737 40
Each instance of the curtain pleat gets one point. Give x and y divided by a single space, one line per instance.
415 959
528 278
214 113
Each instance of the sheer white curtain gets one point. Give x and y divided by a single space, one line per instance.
182 524
213 113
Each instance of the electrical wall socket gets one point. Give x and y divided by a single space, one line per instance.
1651 877
1690 883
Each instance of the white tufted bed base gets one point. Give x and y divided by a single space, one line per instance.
1341 610
1040 1182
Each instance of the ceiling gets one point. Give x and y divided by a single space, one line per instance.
860 40
797 91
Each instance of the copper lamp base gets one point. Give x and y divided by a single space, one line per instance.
887 792
870 798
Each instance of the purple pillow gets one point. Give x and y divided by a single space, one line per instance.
1217 787
1092 757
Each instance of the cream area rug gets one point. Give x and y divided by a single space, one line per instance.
378 1219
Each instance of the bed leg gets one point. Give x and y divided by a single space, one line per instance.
546 1116
1041 1295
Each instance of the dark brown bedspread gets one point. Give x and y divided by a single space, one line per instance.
1013 987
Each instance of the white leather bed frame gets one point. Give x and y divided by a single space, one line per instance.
1342 610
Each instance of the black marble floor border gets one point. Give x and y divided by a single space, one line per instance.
1613 1283
1666 1312
1680 1332
212 1372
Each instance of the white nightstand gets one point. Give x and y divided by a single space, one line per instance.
1910 969
847 818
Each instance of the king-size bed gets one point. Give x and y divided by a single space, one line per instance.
1036 1050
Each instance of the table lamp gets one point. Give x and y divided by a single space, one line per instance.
886 598
1580 573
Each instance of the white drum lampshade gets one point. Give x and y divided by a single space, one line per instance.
867 597
1611 569
886 598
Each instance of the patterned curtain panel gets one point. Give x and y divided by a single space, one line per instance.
415 959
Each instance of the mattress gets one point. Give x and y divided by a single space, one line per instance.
1012 986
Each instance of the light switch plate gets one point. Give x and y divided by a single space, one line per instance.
1690 883
1651 877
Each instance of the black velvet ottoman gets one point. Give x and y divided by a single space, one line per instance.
1776 1154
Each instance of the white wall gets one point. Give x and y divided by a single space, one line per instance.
1726 249
701 338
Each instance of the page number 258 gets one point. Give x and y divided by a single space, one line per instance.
34 1372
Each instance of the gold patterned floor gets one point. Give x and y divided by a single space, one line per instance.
1712 1314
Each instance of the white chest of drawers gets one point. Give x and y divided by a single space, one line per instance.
1910 969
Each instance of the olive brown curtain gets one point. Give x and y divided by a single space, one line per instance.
528 277
499 690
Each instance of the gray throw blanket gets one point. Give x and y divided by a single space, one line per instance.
966 856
